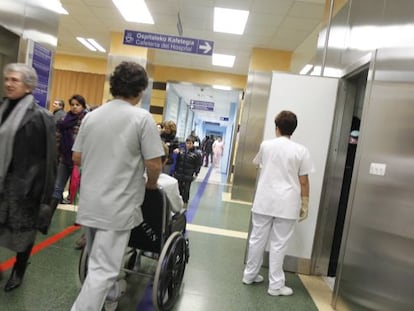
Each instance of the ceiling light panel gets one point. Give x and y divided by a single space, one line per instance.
134 11
96 45
86 43
230 21
223 60
91 44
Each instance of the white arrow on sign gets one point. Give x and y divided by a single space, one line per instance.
206 48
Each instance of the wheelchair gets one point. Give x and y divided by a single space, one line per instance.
162 236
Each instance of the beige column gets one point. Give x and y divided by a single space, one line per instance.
119 52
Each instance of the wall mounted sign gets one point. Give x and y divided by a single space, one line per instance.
167 42
201 105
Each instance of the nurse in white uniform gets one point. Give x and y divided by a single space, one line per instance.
281 198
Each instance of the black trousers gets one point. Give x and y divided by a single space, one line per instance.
206 156
184 187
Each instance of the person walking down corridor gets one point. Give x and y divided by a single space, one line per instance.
218 148
282 197
207 148
168 136
67 129
188 165
115 145
27 167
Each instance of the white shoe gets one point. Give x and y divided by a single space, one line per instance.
257 279
122 288
112 305
284 291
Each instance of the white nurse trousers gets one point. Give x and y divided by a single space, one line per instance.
278 231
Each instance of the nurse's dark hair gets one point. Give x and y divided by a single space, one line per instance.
286 121
128 80
29 75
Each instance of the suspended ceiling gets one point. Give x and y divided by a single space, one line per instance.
272 24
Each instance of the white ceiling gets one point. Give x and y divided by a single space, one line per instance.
272 24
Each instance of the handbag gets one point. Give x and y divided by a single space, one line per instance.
74 184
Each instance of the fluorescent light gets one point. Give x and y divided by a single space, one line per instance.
52 5
86 43
222 87
91 44
134 11
96 45
306 69
223 60
230 21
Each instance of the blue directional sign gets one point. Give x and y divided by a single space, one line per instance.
201 105
166 42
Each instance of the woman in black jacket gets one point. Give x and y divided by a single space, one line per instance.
27 167
168 136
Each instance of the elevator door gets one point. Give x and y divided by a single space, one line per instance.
355 88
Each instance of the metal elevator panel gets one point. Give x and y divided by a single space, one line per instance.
251 134
377 266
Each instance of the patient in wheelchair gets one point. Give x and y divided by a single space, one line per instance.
146 234
170 186
177 222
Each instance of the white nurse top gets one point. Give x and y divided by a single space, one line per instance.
281 162
115 140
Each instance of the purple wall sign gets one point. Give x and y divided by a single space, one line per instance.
42 59
201 105
166 42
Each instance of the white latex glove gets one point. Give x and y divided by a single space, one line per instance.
304 209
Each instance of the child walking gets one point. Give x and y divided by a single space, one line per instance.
188 164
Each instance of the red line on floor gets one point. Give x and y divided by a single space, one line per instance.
41 245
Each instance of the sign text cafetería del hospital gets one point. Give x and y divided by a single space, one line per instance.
166 42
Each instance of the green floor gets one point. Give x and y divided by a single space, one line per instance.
212 279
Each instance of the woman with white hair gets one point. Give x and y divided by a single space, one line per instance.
27 167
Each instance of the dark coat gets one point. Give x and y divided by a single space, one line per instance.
172 143
59 115
187 164
31 175
208 146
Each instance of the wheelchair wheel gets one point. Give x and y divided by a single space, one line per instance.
170 271
83 265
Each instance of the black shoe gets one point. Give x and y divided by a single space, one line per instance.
16 278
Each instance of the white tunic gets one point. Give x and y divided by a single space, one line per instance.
281 161
114 140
